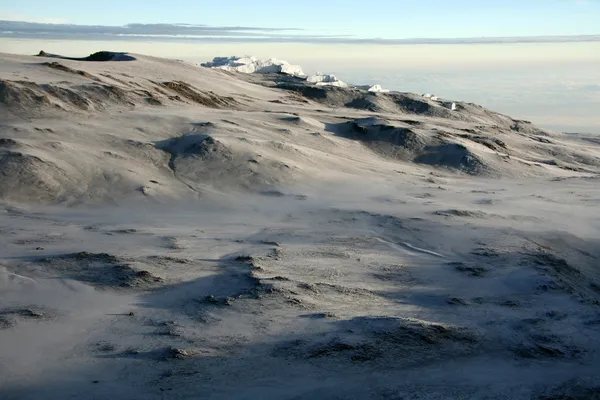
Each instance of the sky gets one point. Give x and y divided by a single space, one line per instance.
357 19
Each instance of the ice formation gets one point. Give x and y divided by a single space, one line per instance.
431 97
250 65
325 80
378 89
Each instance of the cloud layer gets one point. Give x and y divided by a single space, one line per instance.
188 32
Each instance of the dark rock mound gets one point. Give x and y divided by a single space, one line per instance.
361 99
200 158
379 135
101 56
9 317
109 56
469 269
25 177
414 104
9 143
98 269
539 344
461 213
572 263
453 156
410 144
366 339
199 147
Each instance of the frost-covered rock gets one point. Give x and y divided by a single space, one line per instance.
251 65
325 80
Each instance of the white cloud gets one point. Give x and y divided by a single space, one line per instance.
25 18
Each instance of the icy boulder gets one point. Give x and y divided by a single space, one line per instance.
251 65
325 80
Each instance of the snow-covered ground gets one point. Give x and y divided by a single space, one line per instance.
170 231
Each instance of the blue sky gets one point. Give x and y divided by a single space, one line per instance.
387 19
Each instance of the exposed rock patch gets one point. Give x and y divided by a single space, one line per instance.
207 99
98 269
